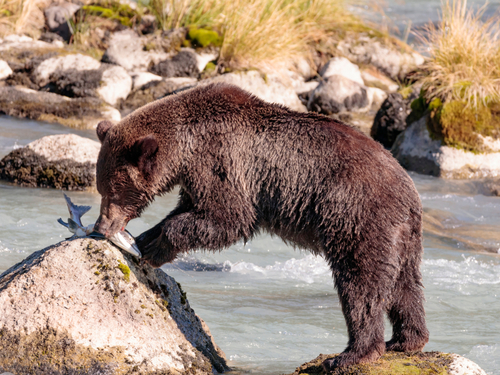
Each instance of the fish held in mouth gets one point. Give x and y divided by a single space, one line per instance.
123 239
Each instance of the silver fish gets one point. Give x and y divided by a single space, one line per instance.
122 239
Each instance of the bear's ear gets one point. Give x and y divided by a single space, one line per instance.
102 129
143 154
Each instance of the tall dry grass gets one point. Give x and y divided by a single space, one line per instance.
464 54
257 31
22 17
254 32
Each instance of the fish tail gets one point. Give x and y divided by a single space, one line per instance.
79 211
60 221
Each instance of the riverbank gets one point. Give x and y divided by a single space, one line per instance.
270 307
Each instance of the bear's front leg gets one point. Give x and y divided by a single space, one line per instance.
195 229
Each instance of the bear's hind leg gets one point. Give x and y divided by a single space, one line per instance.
363 305
406 313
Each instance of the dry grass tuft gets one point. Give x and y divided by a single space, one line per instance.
22 17
464 59
257 31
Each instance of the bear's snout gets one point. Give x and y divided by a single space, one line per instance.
111 220
109 227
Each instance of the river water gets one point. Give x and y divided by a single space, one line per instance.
271 308
405 17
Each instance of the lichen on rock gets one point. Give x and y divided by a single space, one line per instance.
461 126
68 309
421 363
24 167
63 161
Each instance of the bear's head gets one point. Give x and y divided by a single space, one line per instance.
125 173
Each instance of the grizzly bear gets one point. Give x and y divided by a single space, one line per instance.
245 166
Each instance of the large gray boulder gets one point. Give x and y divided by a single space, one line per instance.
78 75
270 88
183 64
385 55
372 77
338 94
63 161
82 307
140 79
45 106
126 48
416 150
56 18
342 67
77 61
22 42
154 89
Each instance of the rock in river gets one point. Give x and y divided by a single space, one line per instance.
338 94
82 307
65 161
417 151
401 364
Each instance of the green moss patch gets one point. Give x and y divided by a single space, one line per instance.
405 91
125 270
203 38
418 109
458 124
432 363
48 351
114 10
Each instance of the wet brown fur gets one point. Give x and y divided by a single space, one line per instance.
245 166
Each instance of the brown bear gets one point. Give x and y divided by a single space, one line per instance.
244 166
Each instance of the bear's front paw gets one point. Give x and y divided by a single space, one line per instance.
155 252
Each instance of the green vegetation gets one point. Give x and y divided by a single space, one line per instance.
459 124
203 37
464 59
290 28
125 270
114 10
461 80
183 294
21 16
419 363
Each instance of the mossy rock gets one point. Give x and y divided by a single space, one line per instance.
114 10
459 124
431 363
456 123
47 351
202 38
26 168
